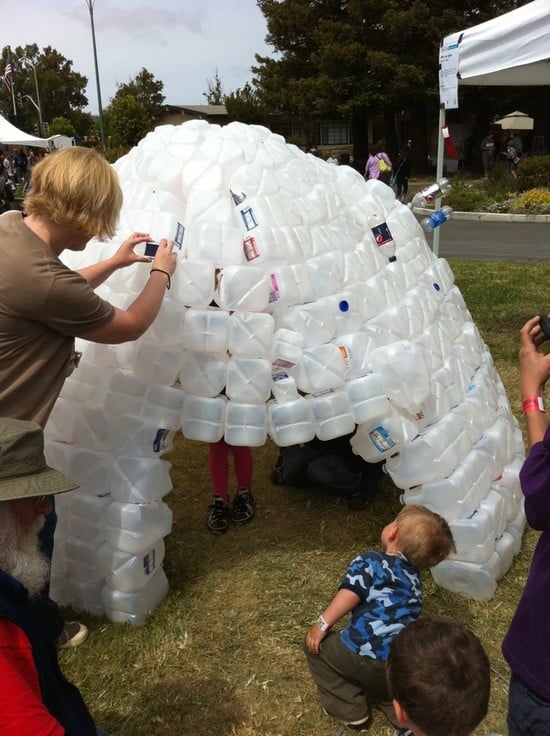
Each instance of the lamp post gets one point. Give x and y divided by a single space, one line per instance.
90 4
26 63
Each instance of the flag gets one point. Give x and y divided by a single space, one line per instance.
8 72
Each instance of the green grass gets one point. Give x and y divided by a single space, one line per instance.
222 655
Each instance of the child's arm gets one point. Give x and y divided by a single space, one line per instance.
343 602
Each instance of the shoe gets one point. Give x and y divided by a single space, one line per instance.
218 519
277 475
243 507
72 635
403 732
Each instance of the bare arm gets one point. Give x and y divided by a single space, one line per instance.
132 323
343 602
534 371
97 273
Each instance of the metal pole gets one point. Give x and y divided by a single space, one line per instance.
90 4
438 173
39 108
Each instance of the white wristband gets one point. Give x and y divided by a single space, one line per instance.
322 624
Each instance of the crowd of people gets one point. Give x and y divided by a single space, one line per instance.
430 678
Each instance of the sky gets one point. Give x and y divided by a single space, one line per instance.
181 42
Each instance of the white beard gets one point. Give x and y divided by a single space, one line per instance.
20 556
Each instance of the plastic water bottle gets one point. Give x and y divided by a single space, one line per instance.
427 195
381 234
437 218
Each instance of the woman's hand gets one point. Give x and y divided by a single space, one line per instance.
165 258
534 366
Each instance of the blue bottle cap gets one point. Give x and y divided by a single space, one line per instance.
343 306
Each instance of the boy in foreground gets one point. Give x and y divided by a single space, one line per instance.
383 593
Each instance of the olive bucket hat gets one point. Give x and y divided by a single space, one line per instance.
23 469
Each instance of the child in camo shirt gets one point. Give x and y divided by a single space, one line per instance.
383 593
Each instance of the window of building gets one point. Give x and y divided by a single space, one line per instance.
335 134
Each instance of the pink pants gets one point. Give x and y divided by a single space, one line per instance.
218 463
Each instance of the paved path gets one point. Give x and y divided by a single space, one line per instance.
495 241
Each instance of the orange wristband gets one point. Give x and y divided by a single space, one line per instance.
533 403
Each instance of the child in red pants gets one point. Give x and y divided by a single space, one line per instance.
243 506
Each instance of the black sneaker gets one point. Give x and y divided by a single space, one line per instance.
243 507
218 519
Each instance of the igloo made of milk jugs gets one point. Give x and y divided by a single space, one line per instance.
306 303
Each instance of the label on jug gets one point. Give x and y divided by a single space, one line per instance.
274 296
178 235
381 439
160 443
250 248
345 354
249 218
149 563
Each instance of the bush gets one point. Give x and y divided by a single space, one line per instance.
467 196
533 202
533 172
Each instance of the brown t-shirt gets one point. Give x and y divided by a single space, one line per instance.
43 307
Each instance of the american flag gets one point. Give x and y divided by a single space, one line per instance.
8 72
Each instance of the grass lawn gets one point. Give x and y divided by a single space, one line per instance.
222 655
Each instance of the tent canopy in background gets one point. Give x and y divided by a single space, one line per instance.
12 136
512 49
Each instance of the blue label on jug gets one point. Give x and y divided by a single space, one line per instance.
149 562
178 237
382 234
249 218
381 439
159 443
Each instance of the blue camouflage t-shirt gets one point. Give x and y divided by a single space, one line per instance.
391 597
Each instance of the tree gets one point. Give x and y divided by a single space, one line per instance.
146 90
126 121
245 106
62 126
214 93
352 58
61 90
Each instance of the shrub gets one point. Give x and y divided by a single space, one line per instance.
533 172
467 196
533 202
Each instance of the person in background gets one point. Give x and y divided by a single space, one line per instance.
511 156
35 697
526 646
331 465
439 678
383 593
242 510
372 167
488 151
44 305
400 179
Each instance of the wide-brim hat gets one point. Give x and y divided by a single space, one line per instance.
24 472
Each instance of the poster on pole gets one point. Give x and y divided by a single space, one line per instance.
448 75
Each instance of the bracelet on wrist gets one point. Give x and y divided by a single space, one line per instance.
322 624
161 270
533 403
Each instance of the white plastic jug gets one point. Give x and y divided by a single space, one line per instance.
290 423
203 418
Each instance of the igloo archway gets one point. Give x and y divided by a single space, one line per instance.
332 315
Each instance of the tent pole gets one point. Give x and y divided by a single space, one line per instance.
438 173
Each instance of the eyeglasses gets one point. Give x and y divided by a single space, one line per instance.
38 501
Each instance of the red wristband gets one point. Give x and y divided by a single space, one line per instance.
533 403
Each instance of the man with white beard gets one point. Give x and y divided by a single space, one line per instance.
35 697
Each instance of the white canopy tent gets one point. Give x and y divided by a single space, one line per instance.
510 50
12 136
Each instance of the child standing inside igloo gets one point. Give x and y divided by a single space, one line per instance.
242 509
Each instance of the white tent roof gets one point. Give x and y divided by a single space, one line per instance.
12 136
513 49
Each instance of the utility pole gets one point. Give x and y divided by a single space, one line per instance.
90 4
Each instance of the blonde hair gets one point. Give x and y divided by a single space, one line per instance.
424 536
77 188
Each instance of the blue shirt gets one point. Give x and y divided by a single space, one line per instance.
391 597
